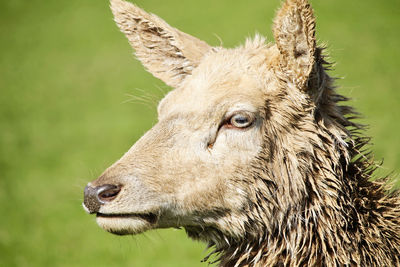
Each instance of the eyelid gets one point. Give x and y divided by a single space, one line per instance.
230 115
246 113
226 120
241 120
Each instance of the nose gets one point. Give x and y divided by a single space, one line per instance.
94 197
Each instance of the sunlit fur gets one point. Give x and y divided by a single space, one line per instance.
293 189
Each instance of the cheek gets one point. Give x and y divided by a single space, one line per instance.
238 145
199 176
208 183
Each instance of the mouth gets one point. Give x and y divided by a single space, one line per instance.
149 217
126 223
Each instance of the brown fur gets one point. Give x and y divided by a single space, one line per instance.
292 189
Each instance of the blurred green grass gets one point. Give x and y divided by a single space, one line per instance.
65 115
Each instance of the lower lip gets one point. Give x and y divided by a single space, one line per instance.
150 218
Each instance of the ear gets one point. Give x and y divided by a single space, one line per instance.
166 52
294 32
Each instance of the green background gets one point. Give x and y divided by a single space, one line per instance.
69 107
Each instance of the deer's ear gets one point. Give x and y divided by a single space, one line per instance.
294 32
166 52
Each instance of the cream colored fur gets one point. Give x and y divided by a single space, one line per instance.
291 189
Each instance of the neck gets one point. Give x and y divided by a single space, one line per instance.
355 224
311 201
325 210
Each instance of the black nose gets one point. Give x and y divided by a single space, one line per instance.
94 197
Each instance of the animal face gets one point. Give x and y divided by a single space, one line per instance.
198 166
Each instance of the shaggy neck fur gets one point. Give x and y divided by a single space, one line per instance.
316 207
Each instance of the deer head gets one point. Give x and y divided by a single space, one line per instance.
224 135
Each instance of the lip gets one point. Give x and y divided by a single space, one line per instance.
149 217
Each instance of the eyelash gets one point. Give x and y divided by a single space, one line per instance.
230 122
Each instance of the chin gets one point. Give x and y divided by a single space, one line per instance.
124 225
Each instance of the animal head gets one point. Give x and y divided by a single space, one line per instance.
239 138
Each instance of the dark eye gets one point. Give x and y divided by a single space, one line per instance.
241 120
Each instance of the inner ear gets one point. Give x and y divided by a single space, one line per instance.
294 32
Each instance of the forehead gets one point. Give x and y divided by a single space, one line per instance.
225 77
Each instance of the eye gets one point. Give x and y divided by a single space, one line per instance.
241 120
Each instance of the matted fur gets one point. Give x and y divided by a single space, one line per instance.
292 189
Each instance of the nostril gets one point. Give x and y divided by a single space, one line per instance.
108 192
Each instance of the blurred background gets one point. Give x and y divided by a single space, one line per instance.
73 100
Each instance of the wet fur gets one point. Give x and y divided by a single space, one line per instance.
326 210
294 190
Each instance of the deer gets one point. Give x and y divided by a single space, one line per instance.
254 153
